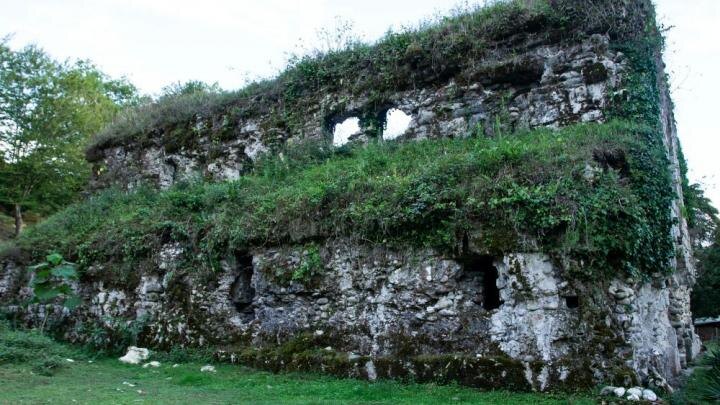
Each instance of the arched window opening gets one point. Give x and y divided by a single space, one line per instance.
345 130
396 123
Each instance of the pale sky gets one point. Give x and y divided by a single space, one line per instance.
157 42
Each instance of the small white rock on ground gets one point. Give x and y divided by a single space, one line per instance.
135 355
649 395
208 369
153 364
633 397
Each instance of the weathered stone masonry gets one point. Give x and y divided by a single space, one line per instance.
550 85
372 311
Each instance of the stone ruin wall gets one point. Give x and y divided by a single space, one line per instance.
508 321
549 85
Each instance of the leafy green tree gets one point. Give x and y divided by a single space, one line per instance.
706 294
703 216
705 234
48 111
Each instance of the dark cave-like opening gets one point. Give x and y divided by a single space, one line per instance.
481 268
572 301
242 292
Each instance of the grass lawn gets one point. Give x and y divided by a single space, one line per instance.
34 370
104 381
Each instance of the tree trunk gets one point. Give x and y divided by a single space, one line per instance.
18 220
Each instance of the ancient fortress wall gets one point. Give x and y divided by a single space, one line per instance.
548 84
513 320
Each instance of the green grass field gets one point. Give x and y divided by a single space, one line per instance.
107 382
34 370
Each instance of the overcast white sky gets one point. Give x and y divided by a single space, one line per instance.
157 42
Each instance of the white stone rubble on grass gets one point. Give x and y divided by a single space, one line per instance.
208 369
128 384
154 364
649 395
135 355
635 391
175 365
630 394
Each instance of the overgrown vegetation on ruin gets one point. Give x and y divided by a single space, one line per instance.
586 190
466 47
598 193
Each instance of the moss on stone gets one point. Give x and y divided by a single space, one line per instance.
487 373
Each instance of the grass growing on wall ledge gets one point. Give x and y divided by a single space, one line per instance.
465 47
597 192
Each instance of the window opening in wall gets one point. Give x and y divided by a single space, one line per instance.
482 266
344 130
572 301
242 292
396 123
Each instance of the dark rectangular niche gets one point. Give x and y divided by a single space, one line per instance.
572 301
242 292
480 271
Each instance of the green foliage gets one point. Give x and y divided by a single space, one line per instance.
48 111
51 281
114 335
461 47
704 227
190 87
703 386
701 214
706 293
310 265
41 353
517 192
